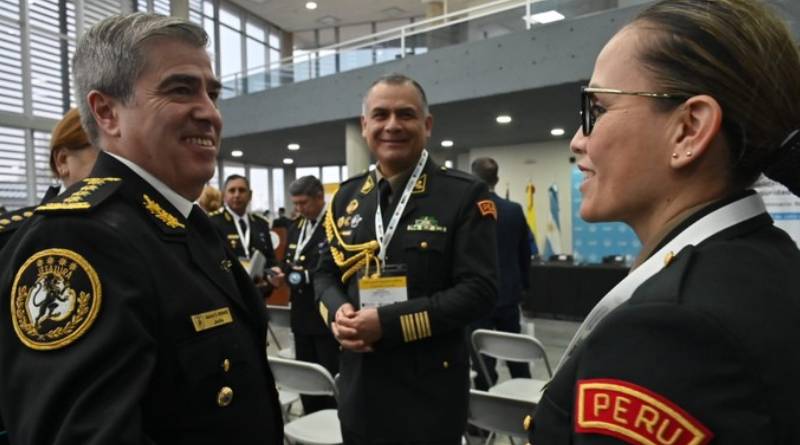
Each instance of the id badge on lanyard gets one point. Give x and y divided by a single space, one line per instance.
389 288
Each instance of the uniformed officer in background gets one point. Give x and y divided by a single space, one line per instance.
246 233
411 262
313 341
129 321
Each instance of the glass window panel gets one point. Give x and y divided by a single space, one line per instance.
257 76
327 37
208 25
255 31
214 181
208 8
231 168
231 61
277 189
275 40
10 61
13 186
390 24
161 7
41 156
304 65
259 183
330 174
307 171
327 62
354 31
230 18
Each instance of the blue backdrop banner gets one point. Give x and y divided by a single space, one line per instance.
592 241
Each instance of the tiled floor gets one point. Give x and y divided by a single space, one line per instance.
554 334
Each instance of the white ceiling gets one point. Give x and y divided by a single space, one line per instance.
292 15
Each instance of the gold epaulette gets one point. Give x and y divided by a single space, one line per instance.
92 191
361 254
10 221
217 212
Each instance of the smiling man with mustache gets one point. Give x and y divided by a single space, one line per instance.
411 262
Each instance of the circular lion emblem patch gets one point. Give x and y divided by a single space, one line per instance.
55 299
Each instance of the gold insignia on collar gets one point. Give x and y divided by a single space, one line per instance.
352 207
16 218
227 216
167 218
368 184
341 222
421 185
55 299
5 222
668 258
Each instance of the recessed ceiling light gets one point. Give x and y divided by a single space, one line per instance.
448 163
288 161
311 5
447 143
293 147
557 132
544 17
237 153
503 119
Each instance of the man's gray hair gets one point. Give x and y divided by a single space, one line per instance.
397 79
109 57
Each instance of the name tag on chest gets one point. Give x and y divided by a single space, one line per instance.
211 319
377 292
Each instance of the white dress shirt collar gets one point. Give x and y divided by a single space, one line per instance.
183 205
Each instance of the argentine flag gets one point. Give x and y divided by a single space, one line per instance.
553 230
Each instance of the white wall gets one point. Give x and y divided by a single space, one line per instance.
543 163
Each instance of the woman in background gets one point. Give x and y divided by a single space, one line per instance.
687 106
72 156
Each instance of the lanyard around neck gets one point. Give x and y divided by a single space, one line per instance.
384 238
305 235
707 226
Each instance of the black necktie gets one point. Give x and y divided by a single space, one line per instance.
243 225
385 194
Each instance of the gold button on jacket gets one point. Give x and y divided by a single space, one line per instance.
224 396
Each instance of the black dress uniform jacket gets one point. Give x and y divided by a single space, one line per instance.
11 221
160 362
414 386
257 225
714 333
305 317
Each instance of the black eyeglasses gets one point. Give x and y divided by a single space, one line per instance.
589 111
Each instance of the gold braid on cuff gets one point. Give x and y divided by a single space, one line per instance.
361 255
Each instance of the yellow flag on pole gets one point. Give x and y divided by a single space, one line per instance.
530 210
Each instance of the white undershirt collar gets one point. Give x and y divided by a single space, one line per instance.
183 205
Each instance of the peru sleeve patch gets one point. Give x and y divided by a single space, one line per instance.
487 208
634 415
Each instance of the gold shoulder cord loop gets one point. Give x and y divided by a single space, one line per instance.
365 251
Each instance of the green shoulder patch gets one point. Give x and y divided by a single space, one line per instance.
82 196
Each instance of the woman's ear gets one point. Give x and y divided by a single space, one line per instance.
698 123
60 158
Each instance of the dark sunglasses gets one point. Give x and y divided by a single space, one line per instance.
588 115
